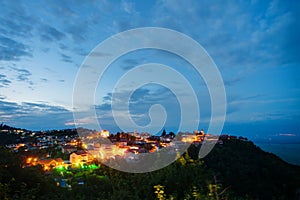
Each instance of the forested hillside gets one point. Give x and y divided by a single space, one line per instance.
234 170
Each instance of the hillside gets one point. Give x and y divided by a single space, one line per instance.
235 169
250 171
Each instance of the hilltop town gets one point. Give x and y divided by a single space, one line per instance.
66 149
60 164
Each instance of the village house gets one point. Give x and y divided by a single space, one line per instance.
80 157
48 164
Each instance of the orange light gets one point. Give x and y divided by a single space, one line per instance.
29 160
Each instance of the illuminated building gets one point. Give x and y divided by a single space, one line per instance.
104 133
48 164
80 157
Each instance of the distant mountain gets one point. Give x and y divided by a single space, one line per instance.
4 128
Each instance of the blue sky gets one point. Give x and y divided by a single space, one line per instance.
255 45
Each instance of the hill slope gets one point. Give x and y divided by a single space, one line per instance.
248 170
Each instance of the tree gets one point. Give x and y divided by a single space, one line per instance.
172 134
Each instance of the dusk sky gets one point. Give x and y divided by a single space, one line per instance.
255 45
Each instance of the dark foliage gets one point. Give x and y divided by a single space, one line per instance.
252 172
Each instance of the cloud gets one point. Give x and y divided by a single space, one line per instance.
37 107
51 34
15 28
128 7
128 64
259 99
240 36
128 17
30 115
66 58
4 82
12 50
236 33
2 97
234 99
233 81
140 102
81 122
287 134
27 108
77 32
15 21
63 9
23 75
44 80
123 25
273 116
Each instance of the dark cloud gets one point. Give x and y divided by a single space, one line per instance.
8 107
63 47
50 121
80 51
16 28
2 97
44 80
140 102
23 74
4 81
103 107
151 96
107 98
78 31
51 34
66 58
27 108
12 50
37 107
29 115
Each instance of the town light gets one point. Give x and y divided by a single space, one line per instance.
29 160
